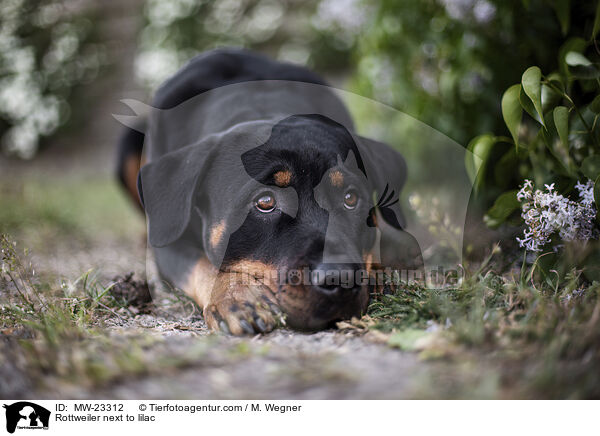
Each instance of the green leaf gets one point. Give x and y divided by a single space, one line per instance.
596 27
505 169
561 121
572 44
503 207
512 111
546 264
581 67
478 152
550 98
560 160
563 13
557 80
588 72
595 105
573 59
590 167
597 190
531 82
591 266
527 104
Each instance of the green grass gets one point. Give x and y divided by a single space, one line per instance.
81 208
60 334
544 340
70 312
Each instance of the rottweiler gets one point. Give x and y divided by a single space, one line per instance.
262 202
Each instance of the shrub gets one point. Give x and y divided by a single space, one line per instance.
44 54
553 139
297 31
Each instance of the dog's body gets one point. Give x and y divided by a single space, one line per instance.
254 174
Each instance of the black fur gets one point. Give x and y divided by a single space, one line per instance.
214 148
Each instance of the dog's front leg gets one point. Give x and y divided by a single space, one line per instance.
234 302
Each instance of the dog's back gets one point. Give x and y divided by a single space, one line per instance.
222 67
208 71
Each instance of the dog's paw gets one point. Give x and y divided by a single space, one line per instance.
242 308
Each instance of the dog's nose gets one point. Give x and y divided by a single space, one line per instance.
332 279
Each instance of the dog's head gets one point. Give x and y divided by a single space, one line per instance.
299 211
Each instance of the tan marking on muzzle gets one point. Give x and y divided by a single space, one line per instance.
282 178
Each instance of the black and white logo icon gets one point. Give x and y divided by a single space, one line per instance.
26 415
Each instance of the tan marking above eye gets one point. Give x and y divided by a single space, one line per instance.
336 178
282 178
266 202
216 233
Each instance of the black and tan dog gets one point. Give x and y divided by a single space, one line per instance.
262 203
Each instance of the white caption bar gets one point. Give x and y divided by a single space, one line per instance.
205 417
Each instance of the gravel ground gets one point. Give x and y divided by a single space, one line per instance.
192 362
339 364
282 365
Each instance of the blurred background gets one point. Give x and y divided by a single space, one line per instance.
445 62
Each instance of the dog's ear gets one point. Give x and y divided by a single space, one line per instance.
386 173
167 187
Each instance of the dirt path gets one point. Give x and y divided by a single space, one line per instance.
283 364
168 353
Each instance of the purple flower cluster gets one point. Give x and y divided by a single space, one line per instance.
547 213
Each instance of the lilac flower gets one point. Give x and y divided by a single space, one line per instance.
548 213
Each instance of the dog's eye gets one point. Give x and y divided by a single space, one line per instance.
265 202
350 199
